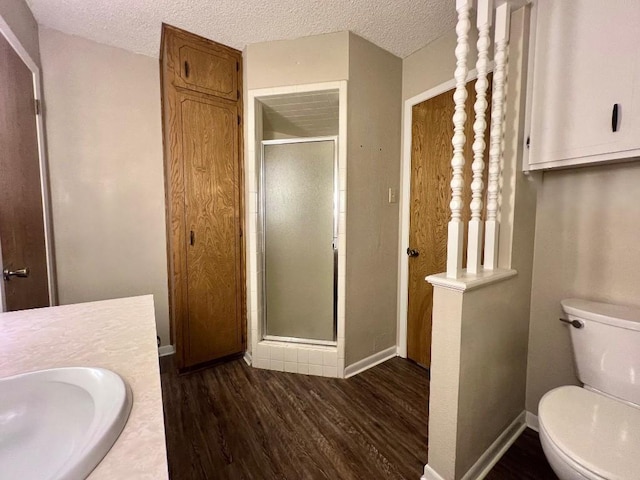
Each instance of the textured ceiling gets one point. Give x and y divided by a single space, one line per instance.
399 26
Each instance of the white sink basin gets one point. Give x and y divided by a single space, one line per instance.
60 423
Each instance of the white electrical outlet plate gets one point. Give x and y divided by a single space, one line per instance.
393 195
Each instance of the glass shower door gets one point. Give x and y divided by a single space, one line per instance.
299 212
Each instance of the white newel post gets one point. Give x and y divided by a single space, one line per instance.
474 247
503 16
456 226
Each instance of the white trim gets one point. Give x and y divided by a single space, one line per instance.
166 350
431 474
13 40
496 450
248 358
532 421
371 361
405 202
468 281
309 87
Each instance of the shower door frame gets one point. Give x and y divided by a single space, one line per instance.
336 219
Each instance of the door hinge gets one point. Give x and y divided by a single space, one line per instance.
528 142
238 119
240 232
37 106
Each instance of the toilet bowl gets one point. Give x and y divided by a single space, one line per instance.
588 436
593 433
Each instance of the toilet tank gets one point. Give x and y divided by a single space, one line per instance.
607 347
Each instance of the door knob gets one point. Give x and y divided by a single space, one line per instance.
7 274
412 253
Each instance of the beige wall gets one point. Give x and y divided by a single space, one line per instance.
495 326
445 381
434 64
315 59
17 15
107 185
373 166
586 246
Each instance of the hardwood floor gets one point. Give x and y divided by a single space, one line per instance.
525 460
232 421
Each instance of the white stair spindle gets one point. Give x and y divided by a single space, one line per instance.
456 227
474 247
503 16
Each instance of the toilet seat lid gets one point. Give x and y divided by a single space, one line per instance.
598 433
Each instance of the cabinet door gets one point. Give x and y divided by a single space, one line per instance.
202 65
209 131
209 71
586 61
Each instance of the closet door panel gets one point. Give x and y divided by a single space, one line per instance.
212 229
200 65
208 72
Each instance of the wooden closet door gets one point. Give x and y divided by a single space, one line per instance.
202 131
209 130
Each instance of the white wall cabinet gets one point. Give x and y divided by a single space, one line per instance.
586 58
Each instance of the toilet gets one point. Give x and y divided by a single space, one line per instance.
593 433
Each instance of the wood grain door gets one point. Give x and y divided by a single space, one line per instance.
209 129
431 151
202 130
201 65
21 216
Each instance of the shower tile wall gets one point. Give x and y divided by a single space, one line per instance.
292 358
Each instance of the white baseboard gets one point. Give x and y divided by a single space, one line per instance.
496 450
532 422
166 350
248 358
401 352
430 474
366 363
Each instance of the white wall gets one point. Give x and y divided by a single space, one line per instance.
586 246
102 106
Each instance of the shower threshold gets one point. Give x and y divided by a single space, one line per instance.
306 341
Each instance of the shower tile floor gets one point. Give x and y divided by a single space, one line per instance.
235 422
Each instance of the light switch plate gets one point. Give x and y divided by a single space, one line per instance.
393 195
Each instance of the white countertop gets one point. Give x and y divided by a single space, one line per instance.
116 334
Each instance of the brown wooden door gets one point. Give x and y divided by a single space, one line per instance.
209 152
431 151
203 66
202 128
21 217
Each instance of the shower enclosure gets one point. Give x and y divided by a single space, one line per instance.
299 211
